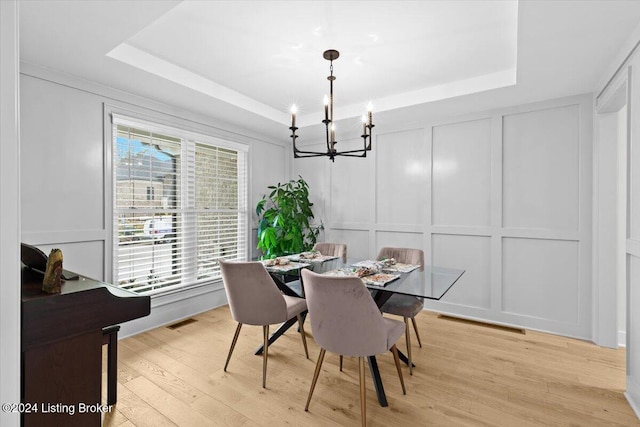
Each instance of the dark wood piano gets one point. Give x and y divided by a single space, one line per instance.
62 347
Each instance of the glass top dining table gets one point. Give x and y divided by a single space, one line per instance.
432 283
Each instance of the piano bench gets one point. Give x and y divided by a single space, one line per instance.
110 338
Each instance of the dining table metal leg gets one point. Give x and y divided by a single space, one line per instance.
380 297
405 359
281 283
278 332
377 381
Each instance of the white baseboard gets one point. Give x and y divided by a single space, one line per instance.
622 338
172 308
633 395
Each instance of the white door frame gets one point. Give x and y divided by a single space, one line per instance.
606 271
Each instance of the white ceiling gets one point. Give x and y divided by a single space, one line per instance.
246 62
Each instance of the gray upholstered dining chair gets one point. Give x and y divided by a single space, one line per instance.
332 249
406 306
255 299
345 320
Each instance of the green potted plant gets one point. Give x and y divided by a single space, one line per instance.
284 226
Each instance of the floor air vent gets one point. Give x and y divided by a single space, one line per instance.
181 324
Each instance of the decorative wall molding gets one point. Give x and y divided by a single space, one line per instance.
412 191
126 100
633 395
77 112
9 209
174 307
63 236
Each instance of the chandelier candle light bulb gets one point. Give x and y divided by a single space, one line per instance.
326 108
333 136
294 110
367 123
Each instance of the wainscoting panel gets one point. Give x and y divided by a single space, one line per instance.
86 258
314 170
265 173
351 186
462 173
398 239
357 241
473 254
62 151
506 196
541 166
66 177
634 173
541 279
633 333
633 236
401 176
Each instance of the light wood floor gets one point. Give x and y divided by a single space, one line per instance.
466 375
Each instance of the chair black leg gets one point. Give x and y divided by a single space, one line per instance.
265 329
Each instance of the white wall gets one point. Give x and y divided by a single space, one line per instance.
621 208
66 175
9 211
606 222
624 72
505 195
633 238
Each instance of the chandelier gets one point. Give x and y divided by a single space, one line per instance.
330 130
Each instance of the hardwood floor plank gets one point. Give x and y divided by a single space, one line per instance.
219 413
114 418
170 383
465 375
141 413
168 405
566 410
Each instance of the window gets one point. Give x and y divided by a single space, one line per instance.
180 204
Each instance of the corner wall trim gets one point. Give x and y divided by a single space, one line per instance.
633 395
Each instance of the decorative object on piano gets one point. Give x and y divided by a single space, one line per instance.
36 260
52 282
284 217
329 123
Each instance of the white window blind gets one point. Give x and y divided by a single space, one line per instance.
180 204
